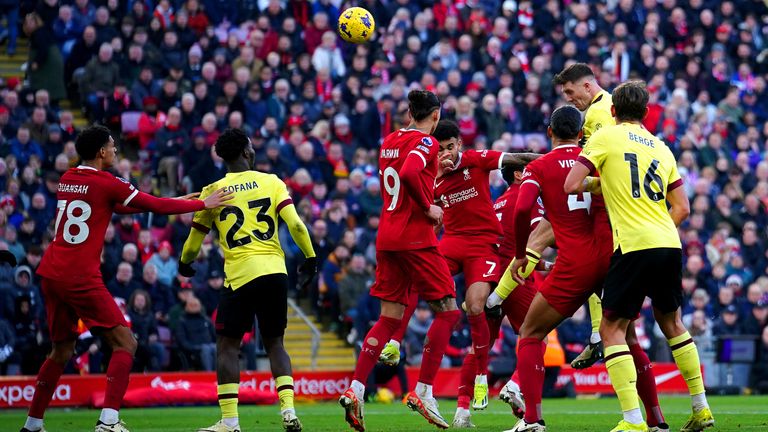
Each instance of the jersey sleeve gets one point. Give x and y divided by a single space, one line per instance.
119 190
594 153
487 159
426 149
204 218
674 180
280 195
531 176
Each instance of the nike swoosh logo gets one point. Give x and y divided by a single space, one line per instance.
666 377
437 185
481 347
489 274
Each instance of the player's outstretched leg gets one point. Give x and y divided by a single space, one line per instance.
228 376
352 399
280 363
123 346
687 359
593 352
477 293
466 385
390 355
421 399
47 379
646 384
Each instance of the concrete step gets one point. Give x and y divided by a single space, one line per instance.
323 364
323 351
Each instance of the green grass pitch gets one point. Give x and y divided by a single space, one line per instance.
732 413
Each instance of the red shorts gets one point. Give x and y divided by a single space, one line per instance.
66 302
478 260
570 284
398 273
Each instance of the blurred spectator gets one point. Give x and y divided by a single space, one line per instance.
210 293
196 335
150 353
123 285
46 66
573 333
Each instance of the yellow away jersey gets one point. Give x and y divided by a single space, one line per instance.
636 172
598 114
247 226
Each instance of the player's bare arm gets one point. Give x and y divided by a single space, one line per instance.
518 158
680 207
578 179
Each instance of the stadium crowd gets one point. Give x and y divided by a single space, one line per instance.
167 76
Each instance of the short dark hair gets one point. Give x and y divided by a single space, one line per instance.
630 100
445 130
508 171
231 143
91 140
566 122
573 73
422 103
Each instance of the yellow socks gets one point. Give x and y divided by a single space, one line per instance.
621 369
228 401
284 385
687 359
507 284
595 312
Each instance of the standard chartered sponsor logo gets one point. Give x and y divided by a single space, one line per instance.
11 394
464 195
303 386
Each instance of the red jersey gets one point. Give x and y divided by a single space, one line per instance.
579 221
87 198
505 213
465 195
404 224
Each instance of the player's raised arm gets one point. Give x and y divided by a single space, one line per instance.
518 158
201 226
146 202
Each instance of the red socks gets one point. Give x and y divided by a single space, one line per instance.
437 340
530 363
646 385
467 381
118 373
413 301
373 343
481 337
47 379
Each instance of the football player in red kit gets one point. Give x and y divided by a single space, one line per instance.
71 279
408 259
472 232
580 223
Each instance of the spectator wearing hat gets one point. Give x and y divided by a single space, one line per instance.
210 292
166 265
728 323
757 318
24 286
7 129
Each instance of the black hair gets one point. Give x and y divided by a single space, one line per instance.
631 101
422 103
231 144
91 140
574 73
445 130
566 122
508 171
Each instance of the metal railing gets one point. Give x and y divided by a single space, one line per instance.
312 327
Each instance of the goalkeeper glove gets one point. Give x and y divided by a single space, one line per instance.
186 269
307 271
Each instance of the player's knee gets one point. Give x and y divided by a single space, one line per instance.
475 308
62 352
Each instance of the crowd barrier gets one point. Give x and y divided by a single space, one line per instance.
199 388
